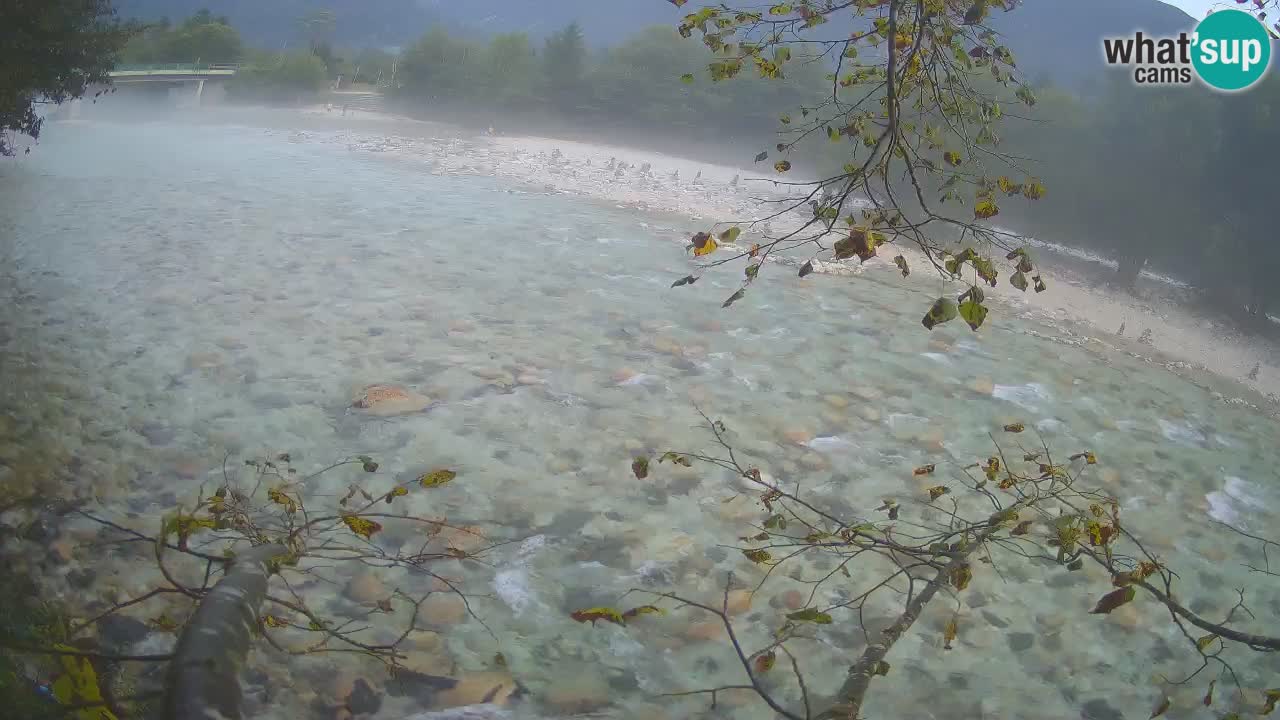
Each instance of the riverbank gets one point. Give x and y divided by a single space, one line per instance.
1161 322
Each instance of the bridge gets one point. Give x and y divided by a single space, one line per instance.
172 72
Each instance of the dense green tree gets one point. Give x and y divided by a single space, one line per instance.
439 66
508 71
291 75
51 51
564 64
203 38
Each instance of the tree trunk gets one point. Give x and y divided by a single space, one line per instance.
204 676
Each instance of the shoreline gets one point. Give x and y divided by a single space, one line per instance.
1188 339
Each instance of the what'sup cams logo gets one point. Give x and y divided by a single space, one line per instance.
1229 50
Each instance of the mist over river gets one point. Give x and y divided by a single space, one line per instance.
178 294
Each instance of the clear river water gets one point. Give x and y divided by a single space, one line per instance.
176 295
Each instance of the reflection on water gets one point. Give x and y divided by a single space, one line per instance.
178 294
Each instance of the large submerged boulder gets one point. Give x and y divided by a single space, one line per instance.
388 400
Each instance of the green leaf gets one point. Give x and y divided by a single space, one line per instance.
734 298
810 615
730 235
973 313
1019 281
686 280
782 54
943 310
782 9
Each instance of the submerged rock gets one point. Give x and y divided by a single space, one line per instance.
388 400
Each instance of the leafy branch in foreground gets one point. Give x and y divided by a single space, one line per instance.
268 507
1020 505
917 95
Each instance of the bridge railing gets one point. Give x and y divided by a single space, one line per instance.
175 67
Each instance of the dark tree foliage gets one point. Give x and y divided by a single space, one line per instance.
50 52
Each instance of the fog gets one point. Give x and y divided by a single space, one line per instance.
635 364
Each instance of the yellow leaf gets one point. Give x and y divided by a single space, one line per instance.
79 686
985 209
274 621
810 615
938 491
278 496
1014 427
782 9
992 468
961 575
1208 696
952 158
1005 184
591 615
703 244
643 610
782 166
1204 642
364 527
1162 706
1022 528
757 556
949 633
436 478
163 623
1033 190
397 491
1272 697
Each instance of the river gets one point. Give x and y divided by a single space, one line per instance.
177 295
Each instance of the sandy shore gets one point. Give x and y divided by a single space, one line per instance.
1162 324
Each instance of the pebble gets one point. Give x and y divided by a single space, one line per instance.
982 385
705 631
443 609
793 599
476 688
363 700
798 436
739 601
366 587
530 379
836 401
581 689
832 417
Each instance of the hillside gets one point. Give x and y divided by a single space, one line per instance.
1050 37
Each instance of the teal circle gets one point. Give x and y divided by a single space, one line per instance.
1236 36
